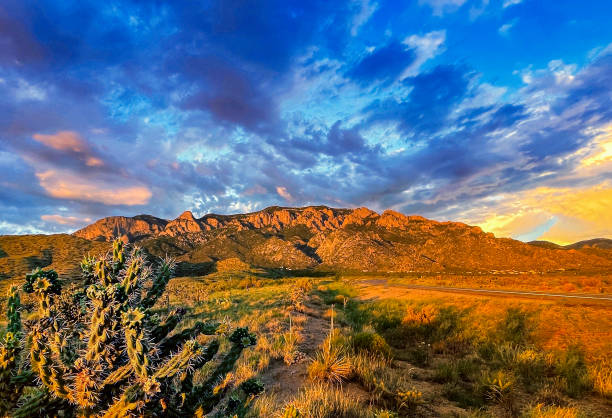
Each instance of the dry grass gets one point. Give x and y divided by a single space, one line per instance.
541 411
330 364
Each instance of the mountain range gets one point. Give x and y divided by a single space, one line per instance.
313 237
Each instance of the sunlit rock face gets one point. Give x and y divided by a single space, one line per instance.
129 229
184 224
345 239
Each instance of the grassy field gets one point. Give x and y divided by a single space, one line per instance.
404 353
342 347
564 282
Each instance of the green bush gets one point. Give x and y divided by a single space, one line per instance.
572 369
371 342
516 328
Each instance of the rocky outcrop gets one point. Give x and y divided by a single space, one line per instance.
184 224
130 229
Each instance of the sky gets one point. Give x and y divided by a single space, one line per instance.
496 113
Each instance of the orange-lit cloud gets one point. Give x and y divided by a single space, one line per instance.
70 141
63 141
65 185
284 193
64 220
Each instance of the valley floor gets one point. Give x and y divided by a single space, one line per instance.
353 347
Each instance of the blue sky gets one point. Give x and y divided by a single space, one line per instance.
492 112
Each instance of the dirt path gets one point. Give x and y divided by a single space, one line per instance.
286 380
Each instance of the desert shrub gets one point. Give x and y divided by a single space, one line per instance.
357 315
531 366
550 395
572 369
299 291
389 386
409 400
463 394
516 328
371 342
419 354
466 369
320 401
500 388
252 387
105 352
446 372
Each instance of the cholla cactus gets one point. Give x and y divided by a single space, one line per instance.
104 351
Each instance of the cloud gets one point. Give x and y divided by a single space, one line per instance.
427 47
441 7
432 98
65 220
65 185
63 141
504 30
568 214
383 64
508 3
366 10
282 191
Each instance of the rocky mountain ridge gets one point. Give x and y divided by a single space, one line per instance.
339 239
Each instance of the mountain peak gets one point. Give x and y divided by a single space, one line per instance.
187 215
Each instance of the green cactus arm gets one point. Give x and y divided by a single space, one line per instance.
13 312
203 396
130 401
164 273
118 255
187 378
182 360
41 403
161 331
170 343
118 375
136 341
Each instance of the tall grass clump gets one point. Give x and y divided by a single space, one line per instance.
332 362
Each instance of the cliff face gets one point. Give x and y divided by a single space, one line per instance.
349 239
129 229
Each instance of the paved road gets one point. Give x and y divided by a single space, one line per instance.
495 292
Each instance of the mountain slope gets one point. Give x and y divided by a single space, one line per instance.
19 254
340 239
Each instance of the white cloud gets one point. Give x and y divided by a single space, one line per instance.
366 11
508 3
504 30
25 91
440 7
426 47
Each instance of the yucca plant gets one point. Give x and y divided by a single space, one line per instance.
103 351
331 363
